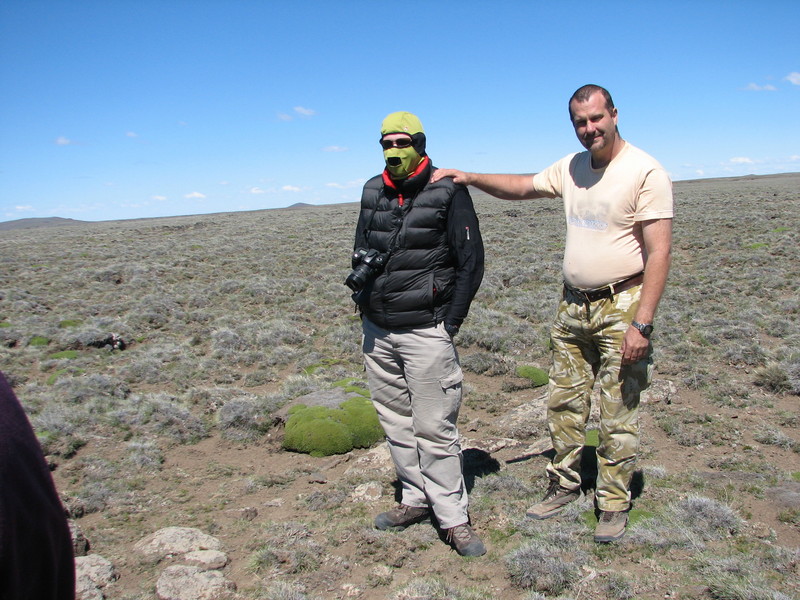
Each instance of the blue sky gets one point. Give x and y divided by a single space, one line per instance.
144 108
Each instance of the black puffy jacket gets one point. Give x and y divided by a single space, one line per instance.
435 265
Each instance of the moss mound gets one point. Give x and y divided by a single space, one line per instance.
535 374
321 431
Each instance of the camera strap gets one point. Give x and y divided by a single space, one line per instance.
392 246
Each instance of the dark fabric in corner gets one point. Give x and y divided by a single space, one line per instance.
36 556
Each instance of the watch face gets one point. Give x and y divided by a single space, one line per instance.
647 330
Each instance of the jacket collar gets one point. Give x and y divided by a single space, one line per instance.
413 184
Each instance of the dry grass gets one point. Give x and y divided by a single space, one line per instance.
227 317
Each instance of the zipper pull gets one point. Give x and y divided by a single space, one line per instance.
400 199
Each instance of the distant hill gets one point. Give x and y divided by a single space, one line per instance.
58 221
36 223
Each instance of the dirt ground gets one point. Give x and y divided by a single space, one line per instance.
204 485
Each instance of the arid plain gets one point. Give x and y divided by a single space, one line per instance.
226 318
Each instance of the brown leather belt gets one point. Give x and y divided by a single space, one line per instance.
609 290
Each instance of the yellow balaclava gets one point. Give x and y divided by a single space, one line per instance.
402 162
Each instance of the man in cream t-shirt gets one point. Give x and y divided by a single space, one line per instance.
618 208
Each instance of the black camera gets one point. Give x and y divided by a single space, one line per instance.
368 264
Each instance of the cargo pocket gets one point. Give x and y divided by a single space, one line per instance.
452 380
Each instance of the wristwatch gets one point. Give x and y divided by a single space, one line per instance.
644 329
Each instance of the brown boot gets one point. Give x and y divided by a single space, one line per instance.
401 517
610 526
553 502
465 541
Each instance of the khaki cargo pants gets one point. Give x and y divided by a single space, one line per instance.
586 339
415 381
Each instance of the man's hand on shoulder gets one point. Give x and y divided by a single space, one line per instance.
458 176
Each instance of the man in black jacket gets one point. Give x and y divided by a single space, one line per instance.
417 264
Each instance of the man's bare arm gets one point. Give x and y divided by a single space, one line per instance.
507 187
658 243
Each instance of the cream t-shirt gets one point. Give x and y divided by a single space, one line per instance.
604 209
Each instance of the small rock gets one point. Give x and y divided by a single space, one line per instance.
248 513
182 582
97 569
92 573
85 589
206 559
317 478
376 458
175 540
491 444
367 492
660 390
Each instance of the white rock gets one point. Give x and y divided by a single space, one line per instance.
92 573
376 458
182 582
97 569
85 589
175 540
367 492
206 559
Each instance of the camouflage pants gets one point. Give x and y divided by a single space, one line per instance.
586 339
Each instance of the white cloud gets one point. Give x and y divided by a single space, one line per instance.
290 188
24 208
699 172
793 78
195 195
285 117
132 134
335 149
306 112
794 157
62 141
753 87
742 160
356 183
257 190
159 198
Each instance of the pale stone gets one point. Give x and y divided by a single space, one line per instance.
92 573
206 559
367 492
182 582
99 570
175 540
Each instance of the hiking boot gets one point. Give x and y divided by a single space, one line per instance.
401 517
610 526
465 541
553 502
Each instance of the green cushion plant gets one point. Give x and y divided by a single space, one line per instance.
535 374
322 431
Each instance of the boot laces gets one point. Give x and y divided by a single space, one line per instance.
460 533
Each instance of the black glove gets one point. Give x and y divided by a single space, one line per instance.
451 329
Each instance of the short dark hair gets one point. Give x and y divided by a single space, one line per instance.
583 93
